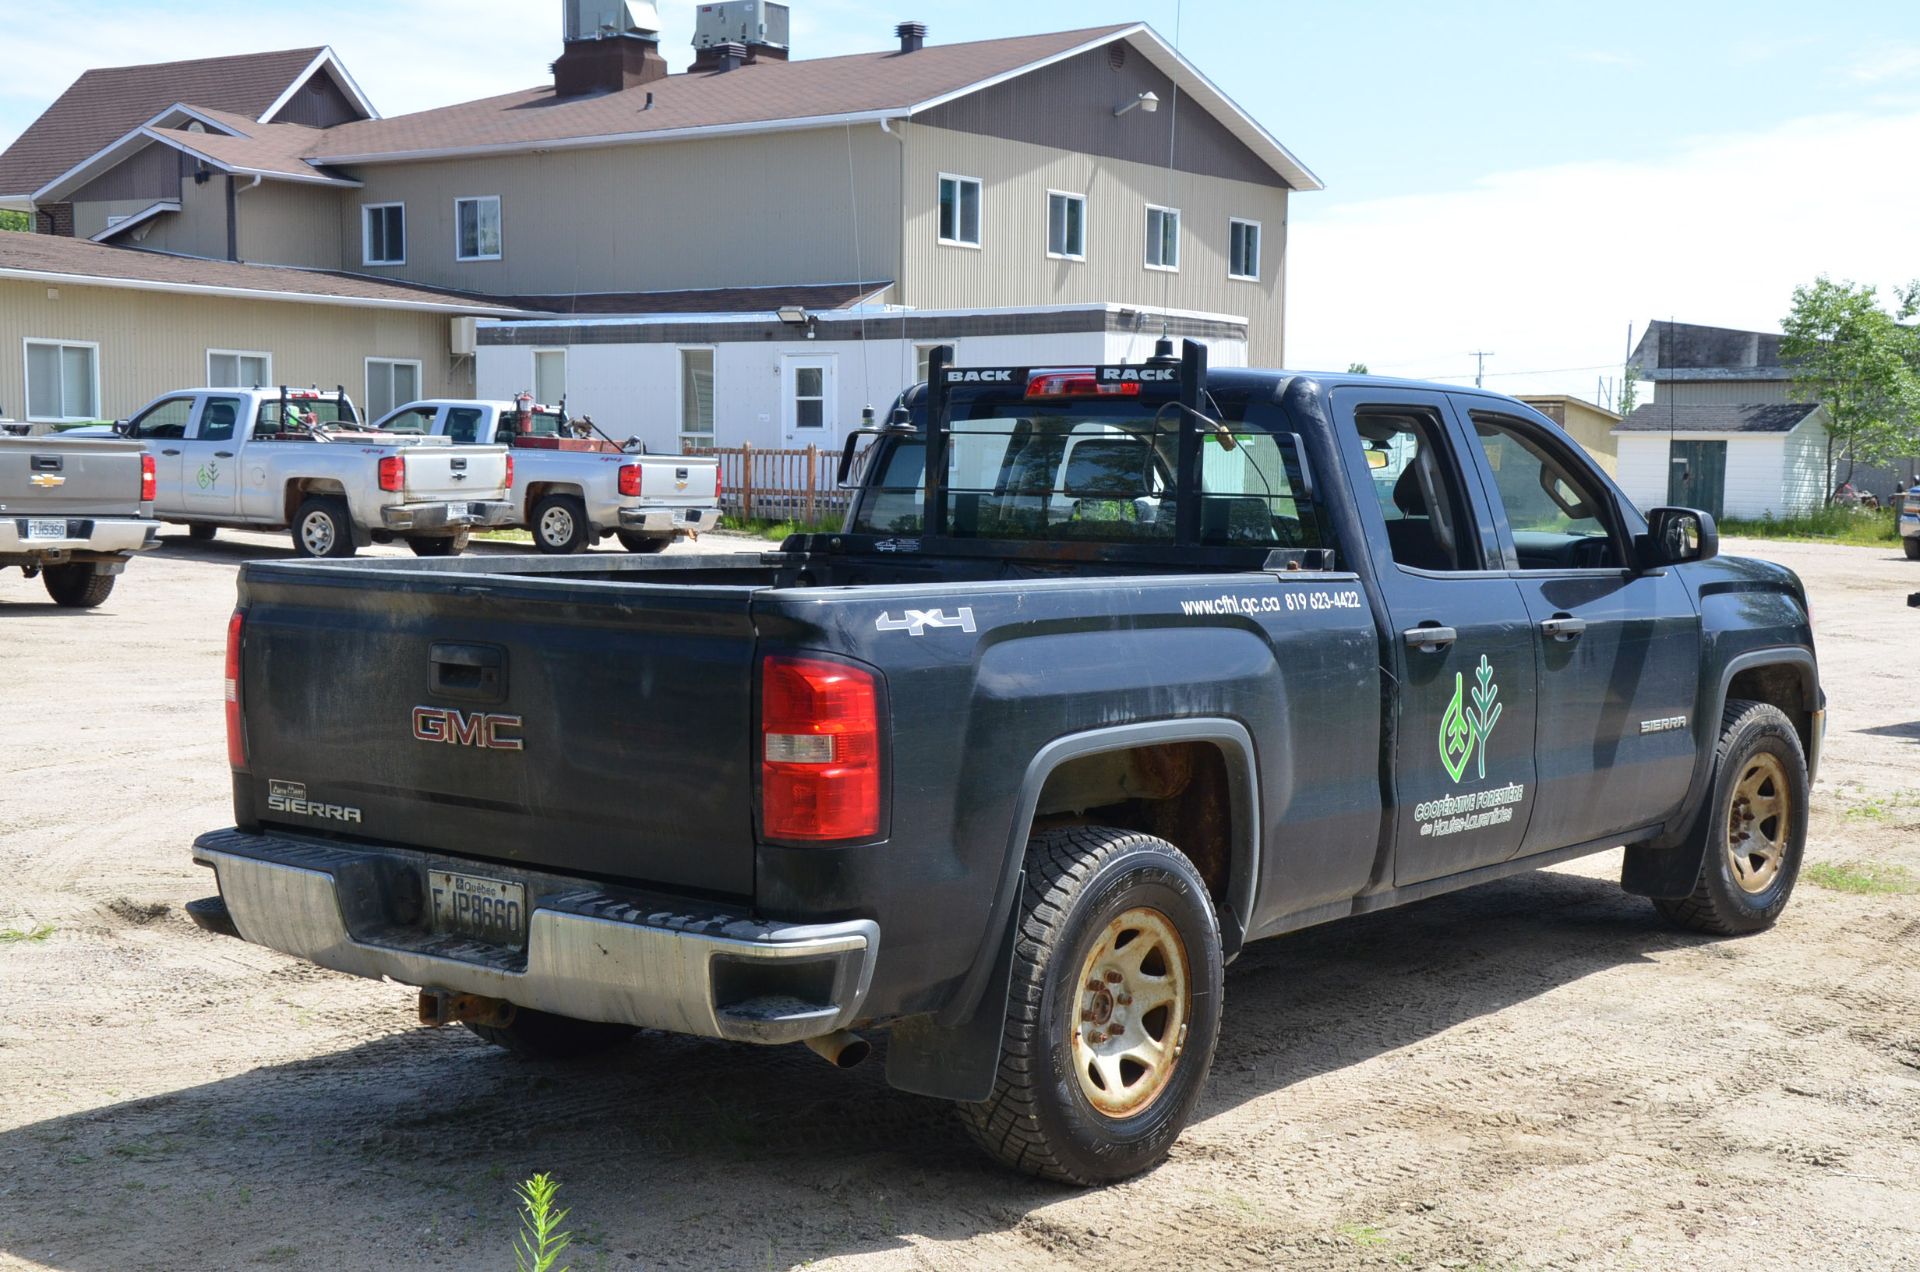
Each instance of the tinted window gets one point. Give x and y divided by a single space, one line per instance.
463 422
218 419
1418 486
1558 514
166 419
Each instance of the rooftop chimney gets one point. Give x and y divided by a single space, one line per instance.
611 45
913 36
725 56
761 26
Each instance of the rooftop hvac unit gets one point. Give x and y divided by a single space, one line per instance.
601 19
741 22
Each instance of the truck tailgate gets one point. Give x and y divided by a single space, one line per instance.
61 477
484 719
681 478
455 472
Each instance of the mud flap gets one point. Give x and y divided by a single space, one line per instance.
1665 874
960 1063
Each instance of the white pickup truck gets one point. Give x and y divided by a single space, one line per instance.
573 491
299 458
73 512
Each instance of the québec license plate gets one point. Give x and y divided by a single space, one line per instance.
490 910
46 529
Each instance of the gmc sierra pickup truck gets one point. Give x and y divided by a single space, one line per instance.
74 512
1111 671
573 491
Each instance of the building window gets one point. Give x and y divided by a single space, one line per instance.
1066 226
477 228
1163 238
383 233
63 381
960 211
391 382
696 397
549 376
923 357
234 369
1243 249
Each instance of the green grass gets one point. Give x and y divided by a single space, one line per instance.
1863 878
1863 528
777 530
18 936
1363 1234
503 536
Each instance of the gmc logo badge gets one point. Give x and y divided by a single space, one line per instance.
480 729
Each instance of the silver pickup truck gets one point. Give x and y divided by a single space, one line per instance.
276 459
73 512
573 491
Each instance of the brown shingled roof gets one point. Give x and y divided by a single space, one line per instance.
273 149
105 104
759 93
46 256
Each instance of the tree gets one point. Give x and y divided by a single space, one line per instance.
1860 363
15 221
1358 368
1629 388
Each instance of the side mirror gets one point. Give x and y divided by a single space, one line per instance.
1676 536
121 428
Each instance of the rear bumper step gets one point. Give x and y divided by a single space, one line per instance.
593 955
669 520
447 516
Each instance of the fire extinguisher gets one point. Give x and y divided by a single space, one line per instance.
523 414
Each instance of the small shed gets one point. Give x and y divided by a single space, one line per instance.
1731 459
1591 426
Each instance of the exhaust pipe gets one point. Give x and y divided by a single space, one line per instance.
842 1048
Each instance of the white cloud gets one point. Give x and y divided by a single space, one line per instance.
1547 267
1899 62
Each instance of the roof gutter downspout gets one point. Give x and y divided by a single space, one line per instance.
233 220
900 265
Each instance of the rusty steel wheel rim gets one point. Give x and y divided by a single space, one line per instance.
1130 1013
1758 817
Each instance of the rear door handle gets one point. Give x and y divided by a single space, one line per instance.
1563 627
1429 639
223 454
169 452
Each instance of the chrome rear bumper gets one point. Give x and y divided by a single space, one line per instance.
590 954
447 516
669 520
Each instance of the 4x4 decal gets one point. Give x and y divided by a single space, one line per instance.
1463 732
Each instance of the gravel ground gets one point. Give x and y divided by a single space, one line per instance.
1534 1073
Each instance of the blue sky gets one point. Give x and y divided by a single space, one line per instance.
1527 178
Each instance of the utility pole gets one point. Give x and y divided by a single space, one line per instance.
1479 366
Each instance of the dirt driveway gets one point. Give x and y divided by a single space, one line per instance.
1532 1073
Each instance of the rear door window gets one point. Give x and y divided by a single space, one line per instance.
463 422
1417 484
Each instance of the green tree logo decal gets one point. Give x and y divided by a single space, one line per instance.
1463 731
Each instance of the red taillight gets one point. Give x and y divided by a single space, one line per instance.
1062 384
820 750
236 730
149 479
719 482
630 479
509 472
393 472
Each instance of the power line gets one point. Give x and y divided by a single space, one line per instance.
1479 365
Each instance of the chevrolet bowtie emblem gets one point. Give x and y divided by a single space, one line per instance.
46 481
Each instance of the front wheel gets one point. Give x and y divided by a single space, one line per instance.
1114 1011
201 532
1756 830
79 586
1912 545
560 525
634 541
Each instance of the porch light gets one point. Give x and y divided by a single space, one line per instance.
1148 102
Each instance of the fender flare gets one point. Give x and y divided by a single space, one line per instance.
1669 864
1242 764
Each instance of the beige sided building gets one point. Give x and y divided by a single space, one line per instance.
1592 426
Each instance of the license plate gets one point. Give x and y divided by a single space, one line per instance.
491 910
46 529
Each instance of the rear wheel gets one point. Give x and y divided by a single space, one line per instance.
1912 545
539 1035
1757 827
560 524
634 541
437 545
322 528
79 586
201 532
1114 1011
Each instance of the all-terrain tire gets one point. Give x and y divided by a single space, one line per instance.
1912 545
323 527
634 541
539 1035
201 532
560 526
1760 752
1084 886
77 586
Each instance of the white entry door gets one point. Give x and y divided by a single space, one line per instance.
806 399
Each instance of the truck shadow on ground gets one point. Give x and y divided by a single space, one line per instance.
683 1152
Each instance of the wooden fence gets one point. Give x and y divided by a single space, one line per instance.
773 484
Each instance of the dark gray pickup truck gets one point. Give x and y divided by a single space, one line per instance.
1158 663
73 511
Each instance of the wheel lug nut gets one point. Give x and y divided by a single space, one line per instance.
1114 1029
1125 1000
1088 1016
1113 978
1099 1037
1094 987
